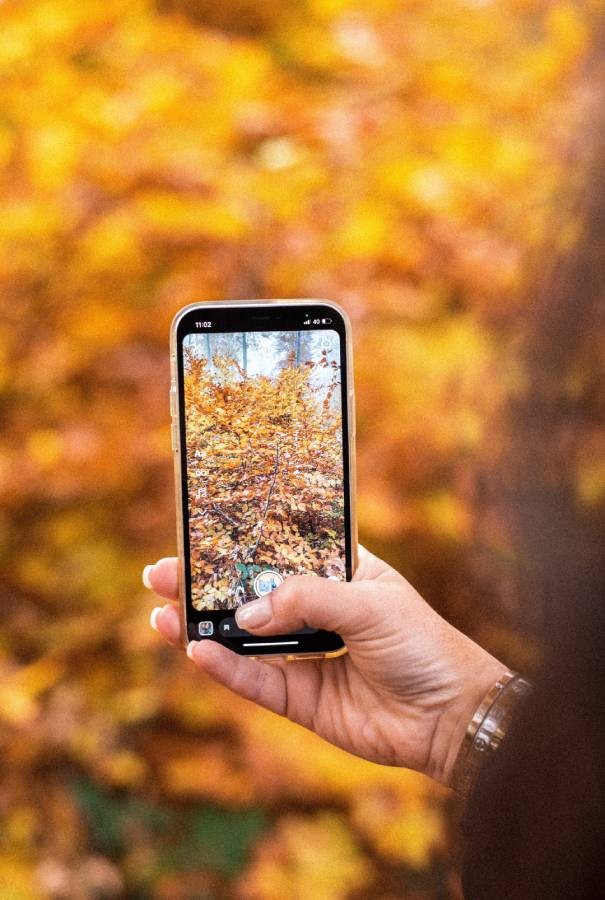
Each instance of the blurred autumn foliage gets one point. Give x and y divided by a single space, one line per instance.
415 162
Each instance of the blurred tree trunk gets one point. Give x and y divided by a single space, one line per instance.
555 428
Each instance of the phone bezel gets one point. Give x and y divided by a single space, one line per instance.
317 644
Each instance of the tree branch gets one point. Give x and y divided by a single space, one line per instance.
267 502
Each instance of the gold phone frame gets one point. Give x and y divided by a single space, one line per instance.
176 449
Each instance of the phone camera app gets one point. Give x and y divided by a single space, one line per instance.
265 474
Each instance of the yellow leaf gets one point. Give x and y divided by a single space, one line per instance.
182 218
44 447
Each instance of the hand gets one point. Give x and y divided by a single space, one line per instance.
403 694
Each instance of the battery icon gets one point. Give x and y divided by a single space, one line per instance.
326 321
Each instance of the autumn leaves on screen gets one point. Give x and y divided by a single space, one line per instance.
264 460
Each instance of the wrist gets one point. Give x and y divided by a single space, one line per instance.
453 722
486 730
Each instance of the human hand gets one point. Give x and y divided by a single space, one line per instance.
404 693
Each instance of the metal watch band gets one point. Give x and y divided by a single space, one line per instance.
486 729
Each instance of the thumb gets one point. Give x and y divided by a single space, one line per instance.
310 601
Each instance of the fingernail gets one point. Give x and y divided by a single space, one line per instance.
153 618
190 648
255 614
146 574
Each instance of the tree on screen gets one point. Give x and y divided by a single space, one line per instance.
264 460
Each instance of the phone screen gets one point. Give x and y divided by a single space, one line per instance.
264 454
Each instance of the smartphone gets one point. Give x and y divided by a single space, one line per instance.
263 432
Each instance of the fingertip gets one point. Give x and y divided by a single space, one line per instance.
163 577
208 655
165 620
153 618
145 576
256 614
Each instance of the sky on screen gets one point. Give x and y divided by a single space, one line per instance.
266 352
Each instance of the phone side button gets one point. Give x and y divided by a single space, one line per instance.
173 434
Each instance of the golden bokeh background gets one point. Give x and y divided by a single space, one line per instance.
413 161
